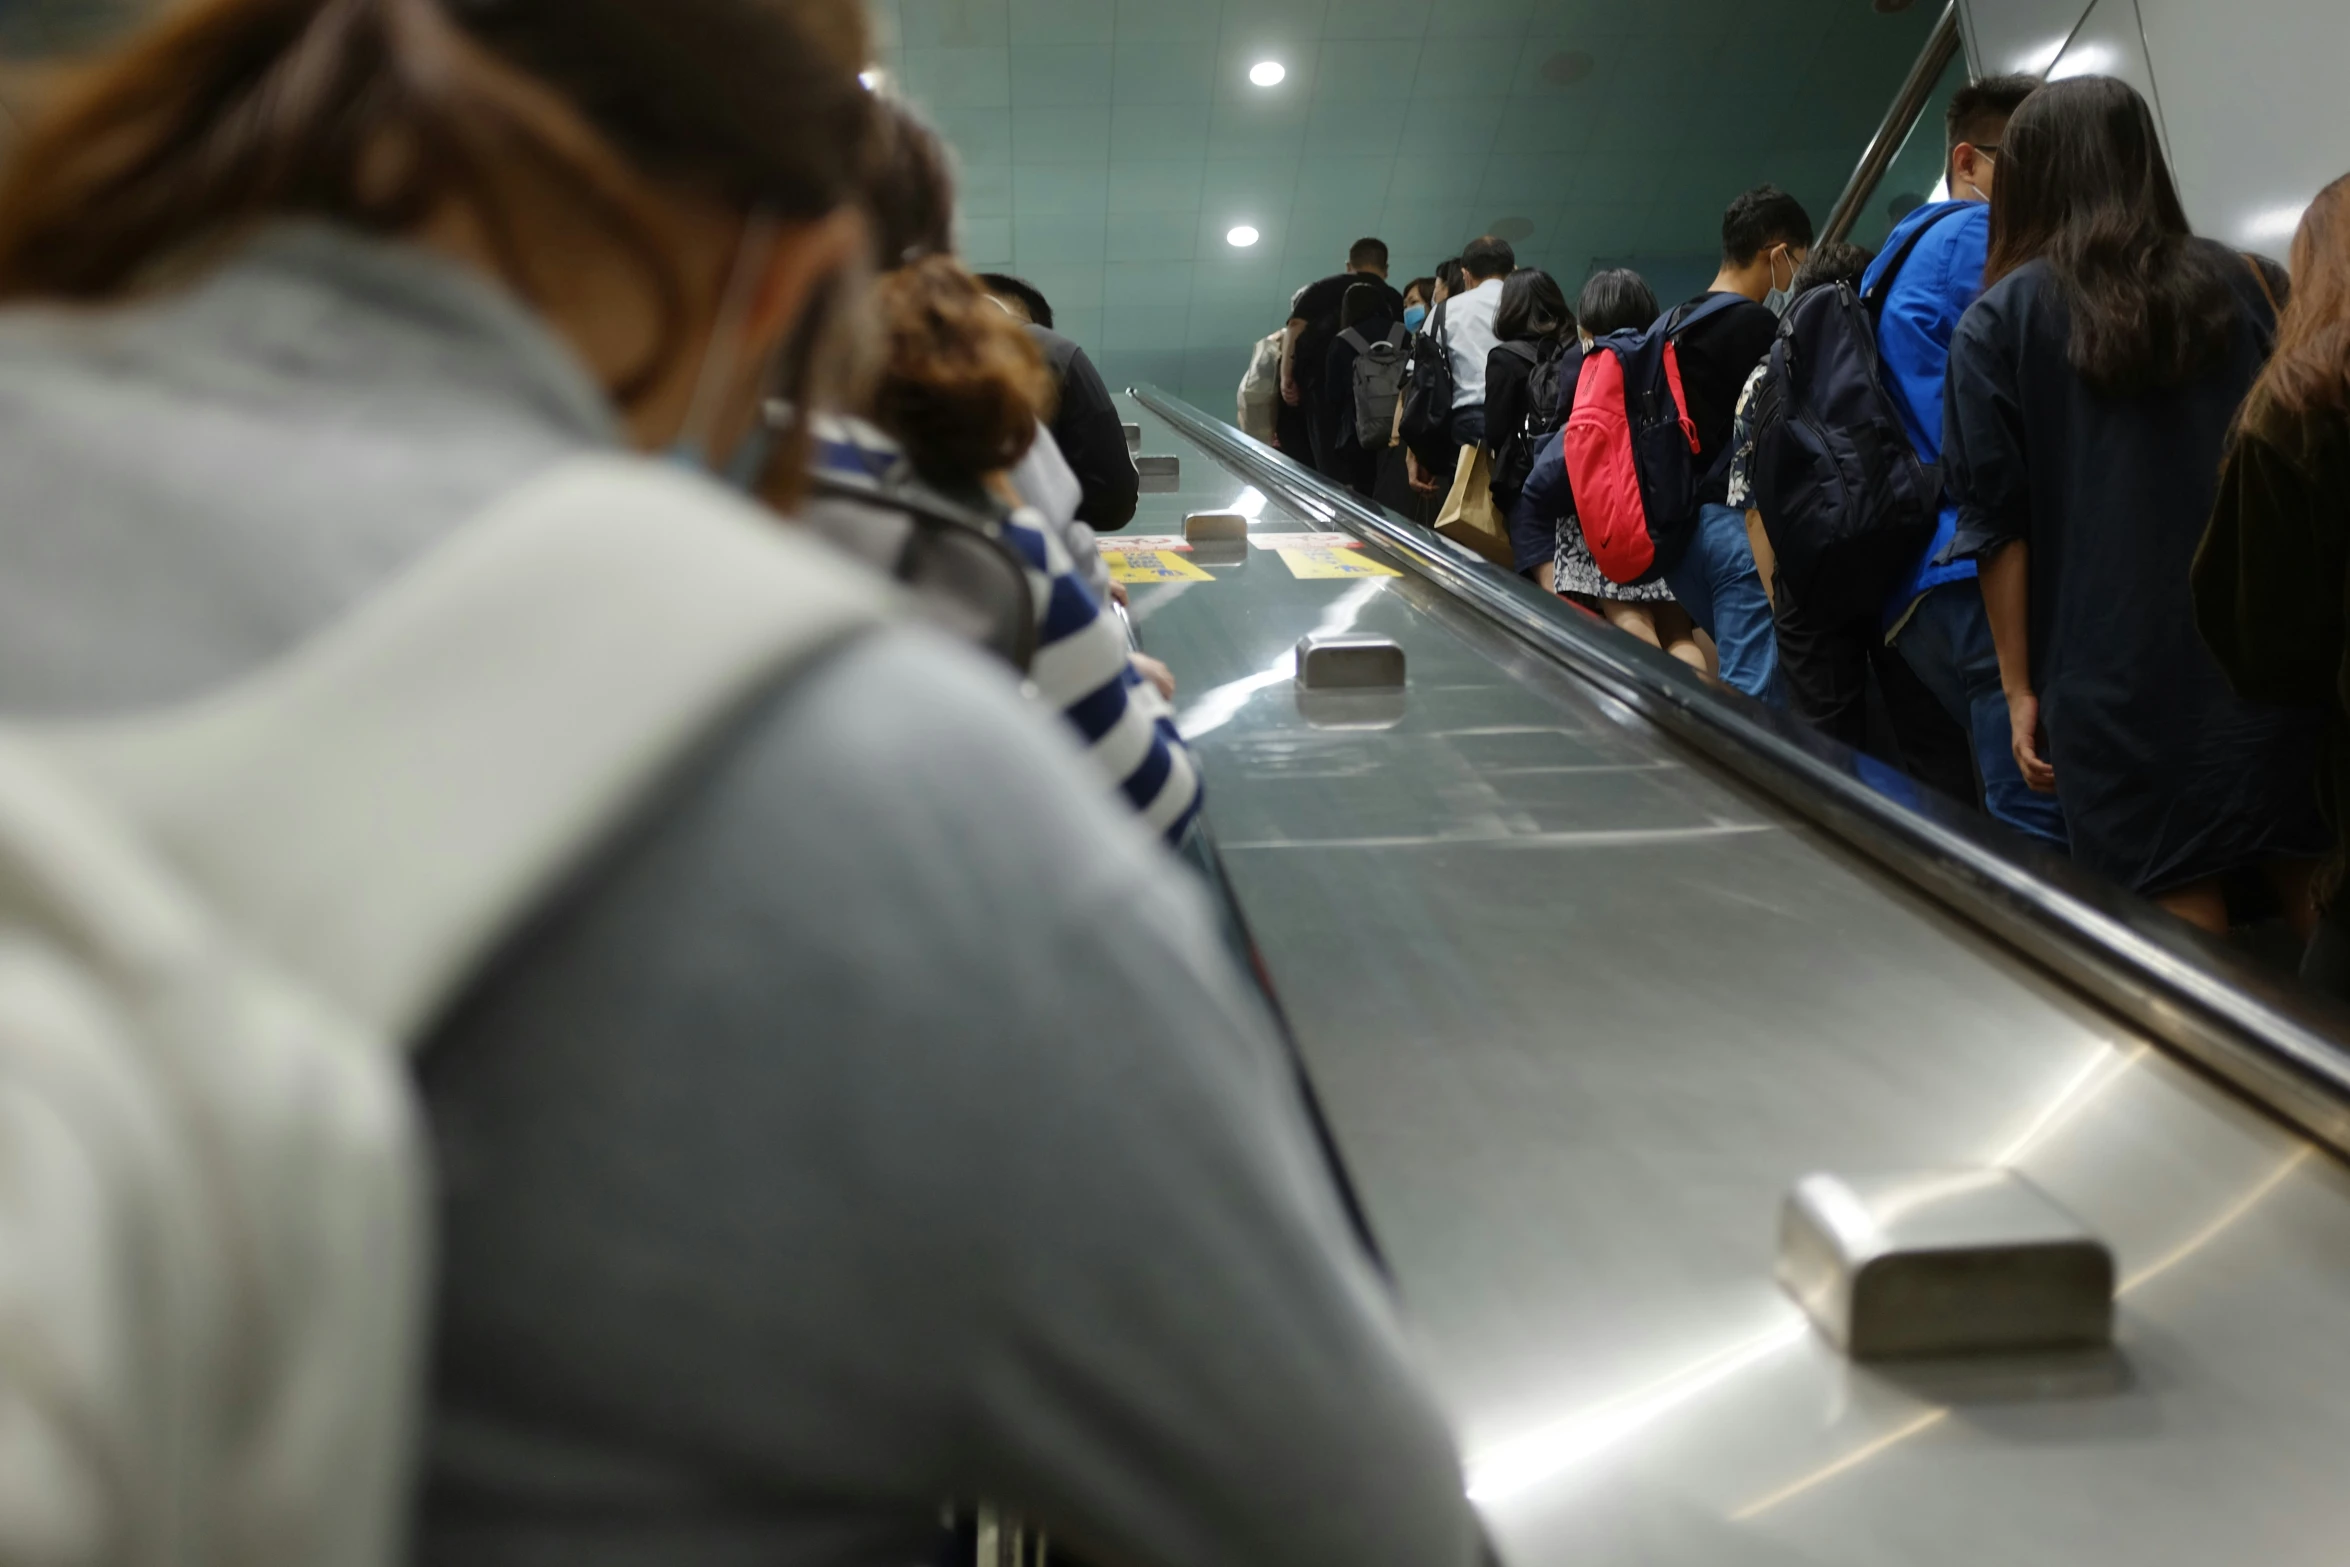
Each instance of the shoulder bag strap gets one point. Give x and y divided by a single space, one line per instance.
1874 299
381 807
2260 276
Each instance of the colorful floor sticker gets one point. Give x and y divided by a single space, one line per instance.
1312 564
1315 557
1159 557
1165 563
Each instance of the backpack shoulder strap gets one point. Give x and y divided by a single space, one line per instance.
1397 336
2267 292
1875 297
1518 348
382 806
1682 317
1354 340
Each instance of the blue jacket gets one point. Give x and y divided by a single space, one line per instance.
1935 286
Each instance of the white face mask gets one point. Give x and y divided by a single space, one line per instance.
1778 299
742 467
1977 192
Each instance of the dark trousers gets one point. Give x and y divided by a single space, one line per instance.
1350 465
1827 672
1294 429
1393 490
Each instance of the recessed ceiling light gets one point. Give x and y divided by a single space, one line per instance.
1242 235
1267 73
871 79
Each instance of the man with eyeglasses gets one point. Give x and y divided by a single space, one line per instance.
1936 620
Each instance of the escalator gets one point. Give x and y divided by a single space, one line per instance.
1589 962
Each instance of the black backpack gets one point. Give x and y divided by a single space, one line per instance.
1427 396
1631 446
1550 393
1843 495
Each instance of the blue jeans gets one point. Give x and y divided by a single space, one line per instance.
1947 641
1716 581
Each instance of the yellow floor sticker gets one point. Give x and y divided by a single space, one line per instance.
1138 566
1315 564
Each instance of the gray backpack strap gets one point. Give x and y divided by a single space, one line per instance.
1354 340
1397 336
378 809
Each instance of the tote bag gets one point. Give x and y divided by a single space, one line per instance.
1469 515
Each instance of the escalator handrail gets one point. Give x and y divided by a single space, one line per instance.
1917 90
2272 1040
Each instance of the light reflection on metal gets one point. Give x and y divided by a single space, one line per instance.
1220 705
2209 1232
1859 1455
2203 1237
1250 502
2036 60
1505 1470
2276 223
2101 1071
2087 60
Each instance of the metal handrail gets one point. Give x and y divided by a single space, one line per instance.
1916 90
2277 1043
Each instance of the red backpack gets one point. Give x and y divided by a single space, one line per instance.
1631 447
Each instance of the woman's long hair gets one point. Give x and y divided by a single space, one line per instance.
2308 375
1532 306
2083 186
376 114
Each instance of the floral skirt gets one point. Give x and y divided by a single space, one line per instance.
1574 571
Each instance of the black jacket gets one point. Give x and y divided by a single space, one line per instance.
1090 434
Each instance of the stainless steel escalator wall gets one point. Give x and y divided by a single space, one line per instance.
1583 994
2259 1030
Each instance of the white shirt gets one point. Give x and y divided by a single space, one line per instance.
1468 337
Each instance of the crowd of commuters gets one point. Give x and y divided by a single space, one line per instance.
2073 366
881 1124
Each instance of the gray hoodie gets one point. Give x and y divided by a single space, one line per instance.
791 1183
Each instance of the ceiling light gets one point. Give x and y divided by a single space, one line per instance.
871 80
1243 236
1267 73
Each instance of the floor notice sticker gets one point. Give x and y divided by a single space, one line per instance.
1316 556
1305 541
1313 564
1325 562
1132 566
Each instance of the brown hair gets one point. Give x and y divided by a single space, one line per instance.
964 386
376 114
909 193
2309 372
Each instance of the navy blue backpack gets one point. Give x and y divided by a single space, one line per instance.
1845 499
1631 447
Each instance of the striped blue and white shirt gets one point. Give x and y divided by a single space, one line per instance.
1082 665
